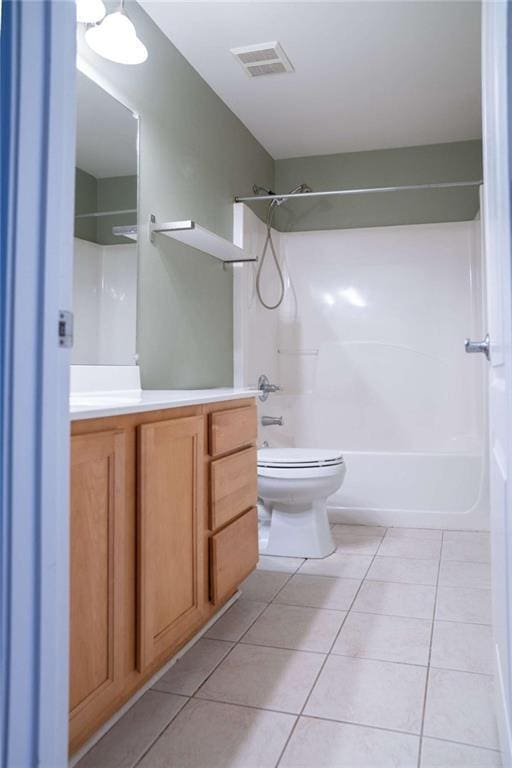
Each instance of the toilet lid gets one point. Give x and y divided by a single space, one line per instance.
298 457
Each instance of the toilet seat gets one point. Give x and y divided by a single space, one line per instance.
288 458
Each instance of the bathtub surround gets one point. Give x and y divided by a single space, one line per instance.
104 303
368 347
454 161
194 156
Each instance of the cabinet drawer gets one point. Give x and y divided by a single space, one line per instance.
233 486
234 554
232 429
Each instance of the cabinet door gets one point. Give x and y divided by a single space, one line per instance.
98 506
171 534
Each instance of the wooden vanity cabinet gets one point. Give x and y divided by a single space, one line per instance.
170 534
232 482
98 526
163 530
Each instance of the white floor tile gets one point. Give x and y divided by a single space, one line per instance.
349 544
460 707
404 570
466 647
270 678
279 564
133 734
363 708
339 565
466 605
467 546
396 599
193 668
296 627
427 534
421 549
389 638
212 735
263 585
236 621
373 693
455 574
444 754
467 536
324 744
319 592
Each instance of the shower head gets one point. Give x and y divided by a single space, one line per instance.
300 188
258 190
296 190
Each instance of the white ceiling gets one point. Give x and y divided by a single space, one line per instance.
368 75
106 138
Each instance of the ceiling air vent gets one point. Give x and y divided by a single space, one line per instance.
263 59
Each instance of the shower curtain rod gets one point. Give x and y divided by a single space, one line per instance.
333 192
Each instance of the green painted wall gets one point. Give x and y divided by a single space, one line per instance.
93 195
86 201
117 193
195 155
457 161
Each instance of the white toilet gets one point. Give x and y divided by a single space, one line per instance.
294 485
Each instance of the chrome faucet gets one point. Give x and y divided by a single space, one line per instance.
266 388
270 421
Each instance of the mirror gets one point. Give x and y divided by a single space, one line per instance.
105 261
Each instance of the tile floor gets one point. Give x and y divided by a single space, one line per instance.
380 655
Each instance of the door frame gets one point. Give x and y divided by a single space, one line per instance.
497 221
36 247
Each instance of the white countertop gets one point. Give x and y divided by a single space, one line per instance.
94 405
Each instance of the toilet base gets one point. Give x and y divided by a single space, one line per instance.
300 531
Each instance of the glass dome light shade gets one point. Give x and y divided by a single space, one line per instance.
116 39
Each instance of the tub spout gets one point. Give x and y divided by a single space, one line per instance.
269 421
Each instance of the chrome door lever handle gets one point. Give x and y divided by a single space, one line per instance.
484 346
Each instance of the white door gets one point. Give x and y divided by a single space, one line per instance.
497 225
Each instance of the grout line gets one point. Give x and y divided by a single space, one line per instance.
405 733
427 677
248 628
402 583
298 572
461 621
250 643
325 575
325 719
153 742
458 586
464 744
219 662
323 665
421 618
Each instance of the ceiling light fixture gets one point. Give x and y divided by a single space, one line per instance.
90 11
116 39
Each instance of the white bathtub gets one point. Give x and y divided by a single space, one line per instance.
443 490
